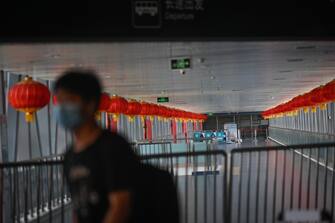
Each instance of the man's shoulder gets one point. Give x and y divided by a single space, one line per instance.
113 138
113 142
115 146
67 153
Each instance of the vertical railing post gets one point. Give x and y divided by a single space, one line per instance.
4 188
228 183
1 195
3 119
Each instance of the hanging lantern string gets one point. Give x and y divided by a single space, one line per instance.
119 105
310 101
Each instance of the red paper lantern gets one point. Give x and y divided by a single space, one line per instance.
176 113
167 112
329 91
316 96
194 116
118 105
184 114
153 109
307 100
105 102
299 102
133 108
145 109
162 111
180 113
28 96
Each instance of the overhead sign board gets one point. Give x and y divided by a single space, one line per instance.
162 99
153 20
180 64
146 14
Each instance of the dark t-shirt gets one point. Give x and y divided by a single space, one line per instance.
108 165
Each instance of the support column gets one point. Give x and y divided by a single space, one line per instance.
112 123
3 119
184 128
148 129
194 125
174 129
5 205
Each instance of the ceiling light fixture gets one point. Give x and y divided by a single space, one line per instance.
295 60
55 56
305 47
285 71
201 60
212 77
279 79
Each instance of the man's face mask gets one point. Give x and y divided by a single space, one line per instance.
69 115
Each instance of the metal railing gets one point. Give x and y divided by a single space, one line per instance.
201 180
265 182
255 184
146 148
33 191
253 132
167 139
291 136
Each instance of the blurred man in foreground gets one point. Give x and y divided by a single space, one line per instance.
108 184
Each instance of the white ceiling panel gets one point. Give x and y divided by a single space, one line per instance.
225 76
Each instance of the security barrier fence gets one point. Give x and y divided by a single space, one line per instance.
259 184
267 182
200 178
33 191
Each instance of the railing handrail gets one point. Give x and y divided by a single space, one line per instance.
46 157
185 154
304 131
152 143
161 155
297 146
30 163
162 139
179 154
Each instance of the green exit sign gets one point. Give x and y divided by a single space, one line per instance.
178 64
162 99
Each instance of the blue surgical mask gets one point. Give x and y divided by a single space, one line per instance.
69 115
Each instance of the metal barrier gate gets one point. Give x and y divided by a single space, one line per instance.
266 182
200 178
33 191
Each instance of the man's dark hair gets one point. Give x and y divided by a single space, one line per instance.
81 82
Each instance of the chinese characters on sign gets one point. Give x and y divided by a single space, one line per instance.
182 9
192 5
150 13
